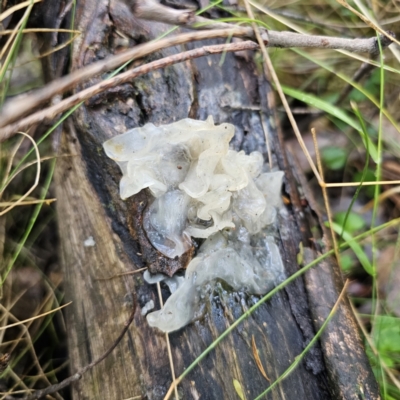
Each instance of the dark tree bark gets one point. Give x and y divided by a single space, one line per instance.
89 205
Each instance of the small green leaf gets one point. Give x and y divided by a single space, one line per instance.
387 338
354 221
346 262
238 388
334 157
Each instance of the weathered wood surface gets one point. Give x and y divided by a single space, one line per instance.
89 205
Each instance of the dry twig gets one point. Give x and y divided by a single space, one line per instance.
53 111
15 8
152 10
23 104
20 106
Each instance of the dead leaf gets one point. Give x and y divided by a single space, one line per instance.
257 358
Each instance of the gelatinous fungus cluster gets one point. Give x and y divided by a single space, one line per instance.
202 189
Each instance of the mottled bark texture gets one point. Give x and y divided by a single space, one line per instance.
89 205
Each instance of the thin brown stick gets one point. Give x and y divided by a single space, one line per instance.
383 196
35 317
347 184
15 8
9 42
121 274
26 203
388 35
53 111
78 375
325 195
257 359
40 30
21 105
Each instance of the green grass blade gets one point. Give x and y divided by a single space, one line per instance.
357 86
357 249
336 112
30 224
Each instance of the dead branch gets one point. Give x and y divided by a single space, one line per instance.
23 104
53 111
154 11
78 375
291 39
18 107
151 10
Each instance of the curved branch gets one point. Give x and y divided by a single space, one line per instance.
63 105
21 105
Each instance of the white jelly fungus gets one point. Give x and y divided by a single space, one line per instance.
202 189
